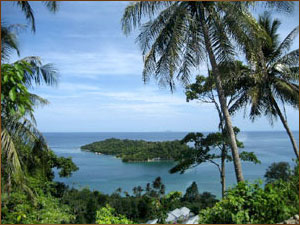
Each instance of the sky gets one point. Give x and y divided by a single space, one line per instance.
100 75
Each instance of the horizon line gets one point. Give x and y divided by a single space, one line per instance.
158 131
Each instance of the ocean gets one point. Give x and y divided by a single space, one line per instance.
107 173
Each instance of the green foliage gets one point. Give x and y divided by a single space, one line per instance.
251 203
145 204
195 200
204 150
278 171
18 207
250 157
192 192
32 201
15 97
107 215
65 165
133 150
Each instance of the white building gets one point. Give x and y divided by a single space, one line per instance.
152 221
182 215
192 220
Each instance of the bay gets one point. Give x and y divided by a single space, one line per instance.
107 173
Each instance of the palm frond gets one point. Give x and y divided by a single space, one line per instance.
222 46
281 6
133 13
240 103
52 6
243 29
286 44
163 58
291 59
38 100
193 53
39 73
12 162
28 12
287 92
9 41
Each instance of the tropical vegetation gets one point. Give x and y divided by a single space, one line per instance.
138 150
27 162
177 38
183 35
252 203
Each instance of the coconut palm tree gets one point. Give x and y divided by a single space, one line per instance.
180 35
279 81
180 38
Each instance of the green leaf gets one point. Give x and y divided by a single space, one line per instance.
19 75
12 79
5 79
12 94
22 109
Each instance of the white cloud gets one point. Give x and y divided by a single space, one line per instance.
100 63
68 86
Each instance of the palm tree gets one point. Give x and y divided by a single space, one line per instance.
278 81
179 36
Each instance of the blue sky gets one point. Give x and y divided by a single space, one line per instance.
101 87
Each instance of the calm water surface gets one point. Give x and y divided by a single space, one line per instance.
106 173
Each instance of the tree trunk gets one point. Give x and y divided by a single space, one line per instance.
223 170
284 122
222 99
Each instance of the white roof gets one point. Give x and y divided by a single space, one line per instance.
152 221
185 211
193 220
176 212
170 217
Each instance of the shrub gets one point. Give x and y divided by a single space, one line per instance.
107 215
251 203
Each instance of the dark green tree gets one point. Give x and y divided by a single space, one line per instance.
192 193
277 171
209 149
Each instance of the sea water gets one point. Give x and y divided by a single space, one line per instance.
107 173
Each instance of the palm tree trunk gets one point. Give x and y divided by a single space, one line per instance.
223 170
222 99
284 122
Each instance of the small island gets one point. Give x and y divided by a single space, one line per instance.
137 150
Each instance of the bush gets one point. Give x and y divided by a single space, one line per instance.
250 203
107 215
18 208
